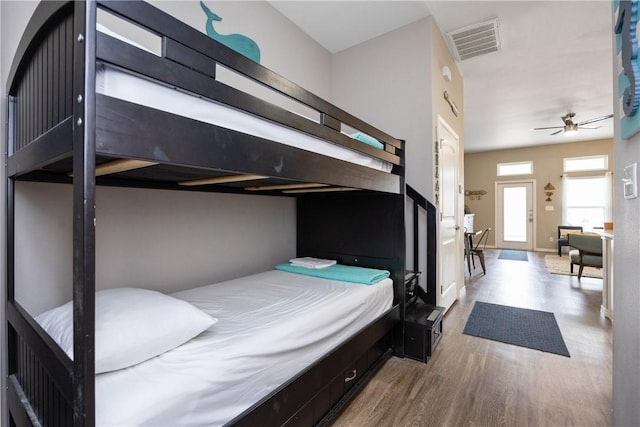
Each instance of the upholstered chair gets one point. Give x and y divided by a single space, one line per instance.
587 251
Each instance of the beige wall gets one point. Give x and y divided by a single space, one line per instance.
408 93
480 174
441 57
393 93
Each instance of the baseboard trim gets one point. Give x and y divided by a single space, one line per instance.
534 250
546 250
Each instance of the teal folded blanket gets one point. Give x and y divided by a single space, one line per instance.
345 273
369 140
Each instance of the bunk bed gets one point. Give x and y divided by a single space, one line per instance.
65 127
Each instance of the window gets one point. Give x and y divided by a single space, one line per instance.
516 168
588 163
587 200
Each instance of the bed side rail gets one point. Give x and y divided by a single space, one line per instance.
206 147
39 386
188 61
307 398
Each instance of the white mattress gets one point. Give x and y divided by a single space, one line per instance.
270 326
118 84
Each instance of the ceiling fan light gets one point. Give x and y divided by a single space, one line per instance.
570 129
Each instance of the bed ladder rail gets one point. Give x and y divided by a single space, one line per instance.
421 202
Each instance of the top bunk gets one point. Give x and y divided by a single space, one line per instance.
131 116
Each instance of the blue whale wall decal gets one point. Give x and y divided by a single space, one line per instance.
241 44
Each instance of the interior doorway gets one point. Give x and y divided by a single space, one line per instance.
449 234
515 217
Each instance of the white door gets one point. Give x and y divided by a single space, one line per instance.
515 215
449 251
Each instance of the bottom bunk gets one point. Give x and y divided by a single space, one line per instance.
277 348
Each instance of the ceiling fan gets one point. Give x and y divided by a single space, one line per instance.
570 127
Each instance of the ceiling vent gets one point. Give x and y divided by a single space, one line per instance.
474 40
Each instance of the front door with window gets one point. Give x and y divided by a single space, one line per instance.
515 215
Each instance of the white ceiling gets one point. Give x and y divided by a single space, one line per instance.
555 58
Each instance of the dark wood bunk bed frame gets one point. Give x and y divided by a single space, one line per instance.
60 130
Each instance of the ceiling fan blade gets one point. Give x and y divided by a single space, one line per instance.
556 132
552 127
597 119
589 127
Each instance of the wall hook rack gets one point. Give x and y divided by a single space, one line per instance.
475 193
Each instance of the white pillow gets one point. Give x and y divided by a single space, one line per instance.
132 325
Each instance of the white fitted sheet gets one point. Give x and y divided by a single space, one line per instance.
270 326
119 84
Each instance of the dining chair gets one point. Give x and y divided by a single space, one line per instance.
477 247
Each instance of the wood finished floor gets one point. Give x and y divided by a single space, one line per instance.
477 382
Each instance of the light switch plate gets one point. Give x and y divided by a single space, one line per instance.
630 181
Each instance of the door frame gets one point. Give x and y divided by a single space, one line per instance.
498 210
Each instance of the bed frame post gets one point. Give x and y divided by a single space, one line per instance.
84 148
10 337
10 200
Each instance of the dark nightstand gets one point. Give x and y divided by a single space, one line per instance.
422 330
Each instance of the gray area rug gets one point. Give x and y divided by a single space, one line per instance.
513 255
519 326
